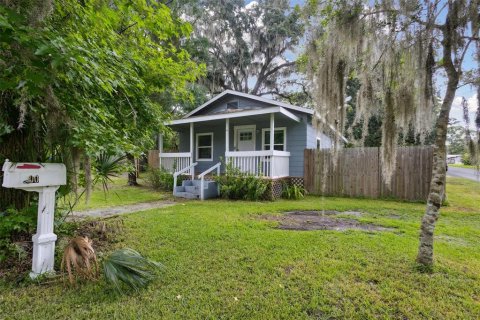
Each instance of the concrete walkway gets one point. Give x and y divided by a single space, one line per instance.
113 211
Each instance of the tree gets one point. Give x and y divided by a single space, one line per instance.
455 138
247 48
82 76
394 48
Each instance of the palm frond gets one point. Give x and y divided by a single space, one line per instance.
130 268
107 166
79 259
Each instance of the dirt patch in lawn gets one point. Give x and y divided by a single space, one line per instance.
322 220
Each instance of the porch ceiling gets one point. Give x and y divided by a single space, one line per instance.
248 115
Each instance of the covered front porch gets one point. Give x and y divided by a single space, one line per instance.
239 139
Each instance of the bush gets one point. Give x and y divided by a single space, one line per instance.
293 192
237 185
15 224
466 160
159 179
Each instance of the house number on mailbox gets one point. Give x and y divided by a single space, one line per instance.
32 179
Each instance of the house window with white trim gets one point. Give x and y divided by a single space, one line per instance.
279 139
205 146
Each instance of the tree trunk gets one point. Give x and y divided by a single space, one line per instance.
88 178
132 175
437 185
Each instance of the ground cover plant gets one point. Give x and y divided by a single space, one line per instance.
222 260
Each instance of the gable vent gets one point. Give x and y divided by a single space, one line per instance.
232 105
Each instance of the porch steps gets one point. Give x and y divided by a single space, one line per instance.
190 189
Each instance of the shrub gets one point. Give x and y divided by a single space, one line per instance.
466 160
237 185
15 224
293 192
159 179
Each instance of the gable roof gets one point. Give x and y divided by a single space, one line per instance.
249 96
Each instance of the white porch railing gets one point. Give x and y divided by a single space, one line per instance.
173 162
183 171
201 176
274 164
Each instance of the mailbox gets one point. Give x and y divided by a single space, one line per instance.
24 175
44 178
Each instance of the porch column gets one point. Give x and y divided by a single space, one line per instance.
272 132
192 170
227 135
160 149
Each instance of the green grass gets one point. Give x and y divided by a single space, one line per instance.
460 165
222 262
120 194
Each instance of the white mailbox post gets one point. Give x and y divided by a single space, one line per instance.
44 178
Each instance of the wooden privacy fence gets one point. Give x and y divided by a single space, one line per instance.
358 173
153 158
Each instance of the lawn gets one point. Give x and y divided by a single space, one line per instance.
119 193
461 165
223 262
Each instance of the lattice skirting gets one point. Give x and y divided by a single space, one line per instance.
276 186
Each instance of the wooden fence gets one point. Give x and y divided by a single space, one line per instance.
357 172
153 159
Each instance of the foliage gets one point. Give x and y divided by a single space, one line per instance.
87 76
392 47
160 179
248 47
293 192
79 259
238 185
466 160
130 268
107 167
15 221
455 138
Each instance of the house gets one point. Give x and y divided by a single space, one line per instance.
454 158
236 127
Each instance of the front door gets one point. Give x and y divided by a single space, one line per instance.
245 138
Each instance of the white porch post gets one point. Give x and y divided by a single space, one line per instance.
227 135
160 150
191 150
272 133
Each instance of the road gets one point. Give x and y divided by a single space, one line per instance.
463 173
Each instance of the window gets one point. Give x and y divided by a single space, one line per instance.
279 139
246 136
319 143
205 146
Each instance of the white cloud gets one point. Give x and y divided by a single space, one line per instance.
472 103
457 111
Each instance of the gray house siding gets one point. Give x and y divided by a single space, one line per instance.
296 139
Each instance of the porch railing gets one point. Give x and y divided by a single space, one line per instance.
274 164
174 162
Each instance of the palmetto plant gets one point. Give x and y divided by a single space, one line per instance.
107 166
130 268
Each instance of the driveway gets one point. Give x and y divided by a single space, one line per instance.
463 173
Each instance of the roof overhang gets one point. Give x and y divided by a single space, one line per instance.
238 114
249 96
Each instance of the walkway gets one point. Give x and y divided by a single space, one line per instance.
112 211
